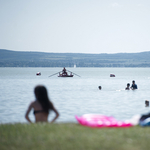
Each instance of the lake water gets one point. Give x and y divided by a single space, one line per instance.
77 95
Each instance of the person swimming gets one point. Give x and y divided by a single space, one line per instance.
42 105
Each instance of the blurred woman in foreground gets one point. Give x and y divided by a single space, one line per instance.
42 105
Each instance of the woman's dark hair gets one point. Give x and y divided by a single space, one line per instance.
42 96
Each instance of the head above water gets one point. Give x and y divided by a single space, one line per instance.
133 81
128 84
100 87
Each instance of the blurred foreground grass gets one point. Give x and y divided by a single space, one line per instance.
71 136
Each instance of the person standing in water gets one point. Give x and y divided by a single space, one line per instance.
128 87
134 86
41 106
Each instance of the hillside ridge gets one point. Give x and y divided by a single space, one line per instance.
9 58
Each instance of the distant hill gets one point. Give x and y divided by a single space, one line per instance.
10 58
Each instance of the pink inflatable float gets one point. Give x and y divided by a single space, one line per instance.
99 121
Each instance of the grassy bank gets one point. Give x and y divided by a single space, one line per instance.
70 136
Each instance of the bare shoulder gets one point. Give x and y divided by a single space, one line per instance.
36 105
32 103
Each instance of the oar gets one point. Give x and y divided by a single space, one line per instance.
54 74
74 73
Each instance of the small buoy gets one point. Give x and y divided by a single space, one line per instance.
146 103
38 73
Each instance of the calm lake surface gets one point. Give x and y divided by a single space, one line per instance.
77 95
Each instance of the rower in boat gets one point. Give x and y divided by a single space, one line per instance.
64 72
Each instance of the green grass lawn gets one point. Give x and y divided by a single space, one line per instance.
71 136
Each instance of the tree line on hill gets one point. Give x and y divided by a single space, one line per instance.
10 58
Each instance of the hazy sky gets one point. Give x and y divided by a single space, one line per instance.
75 26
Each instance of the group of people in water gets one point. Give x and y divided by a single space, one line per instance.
133 86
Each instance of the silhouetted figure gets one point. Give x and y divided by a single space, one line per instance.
128 87
134 86
146 103
64 71
100 87
42 105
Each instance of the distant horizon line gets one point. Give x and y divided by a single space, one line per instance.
74 52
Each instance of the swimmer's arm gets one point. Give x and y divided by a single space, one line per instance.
57 115
27 113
